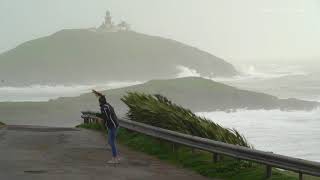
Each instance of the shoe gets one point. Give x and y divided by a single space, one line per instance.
113 161
119 158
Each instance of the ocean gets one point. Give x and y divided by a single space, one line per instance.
293 133
288 133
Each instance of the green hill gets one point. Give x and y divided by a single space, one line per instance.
200 94
84 56
196 94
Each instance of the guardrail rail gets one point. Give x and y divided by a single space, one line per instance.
269 159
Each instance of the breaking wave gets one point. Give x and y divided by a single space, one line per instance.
271 71
187 72
250 72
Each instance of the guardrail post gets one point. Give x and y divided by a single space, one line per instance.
175 149
300 176
269 171
216 157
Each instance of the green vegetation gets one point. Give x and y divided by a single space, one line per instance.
158 111
1 124
198 161
305 177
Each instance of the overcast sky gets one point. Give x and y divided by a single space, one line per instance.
269 30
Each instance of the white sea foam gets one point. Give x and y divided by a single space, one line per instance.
46 92
250 72
270 71
187 72
293 133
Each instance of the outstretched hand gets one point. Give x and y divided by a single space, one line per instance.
98 94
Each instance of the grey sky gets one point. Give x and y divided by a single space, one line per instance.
286 30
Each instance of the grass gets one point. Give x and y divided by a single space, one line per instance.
2 124
305 177
198 161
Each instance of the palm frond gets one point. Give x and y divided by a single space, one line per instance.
158 110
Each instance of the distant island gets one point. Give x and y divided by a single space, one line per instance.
197 94
108 52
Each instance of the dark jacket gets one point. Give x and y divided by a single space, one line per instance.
109 116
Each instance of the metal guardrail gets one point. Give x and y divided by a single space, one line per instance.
267 158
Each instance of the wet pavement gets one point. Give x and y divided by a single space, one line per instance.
34 152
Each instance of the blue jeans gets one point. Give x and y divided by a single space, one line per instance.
112 134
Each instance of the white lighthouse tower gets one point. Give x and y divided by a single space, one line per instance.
109 26
108 20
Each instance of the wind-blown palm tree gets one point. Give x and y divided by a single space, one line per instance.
157 110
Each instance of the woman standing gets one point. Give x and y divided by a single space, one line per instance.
111 122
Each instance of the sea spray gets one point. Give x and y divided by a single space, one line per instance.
187 72
46 92
293 133
247 72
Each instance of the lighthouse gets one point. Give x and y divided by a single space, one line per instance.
108 20
109 26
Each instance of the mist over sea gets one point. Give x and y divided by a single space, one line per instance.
38 93
283 81
294 133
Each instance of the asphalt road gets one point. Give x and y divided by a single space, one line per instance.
32 153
